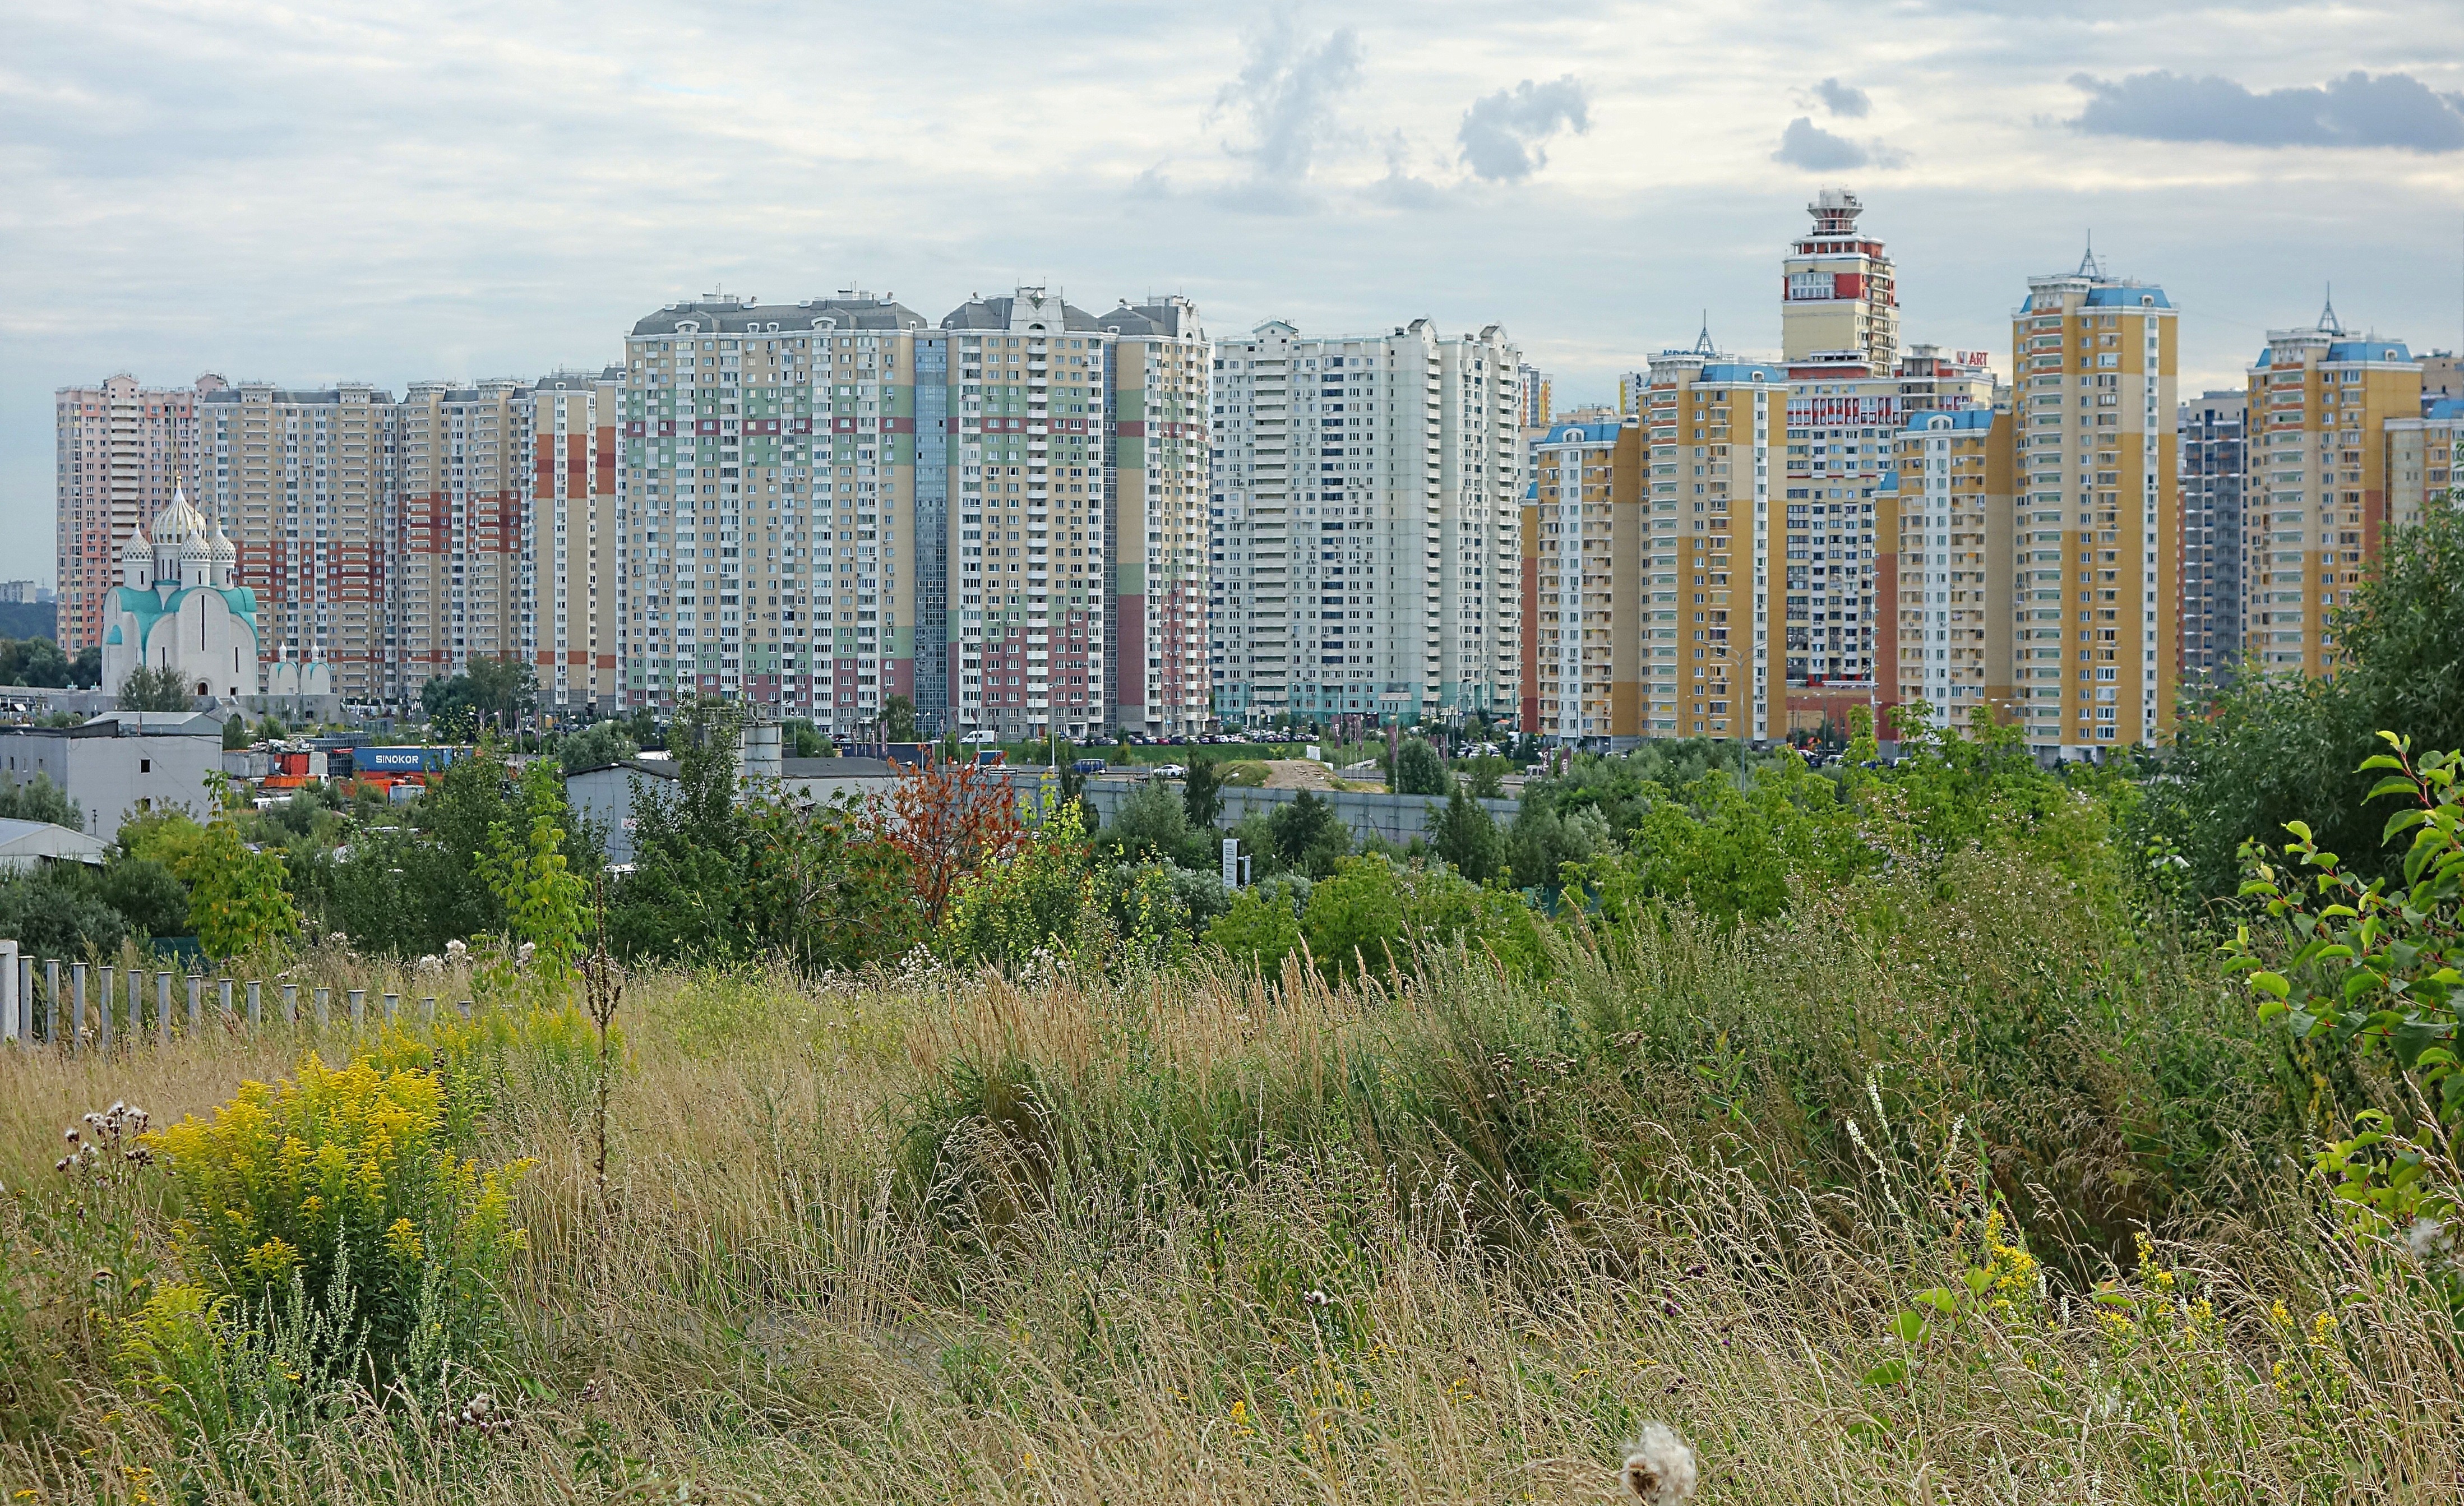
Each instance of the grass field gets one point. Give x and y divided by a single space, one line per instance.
938 1237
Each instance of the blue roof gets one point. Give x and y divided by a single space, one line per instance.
2448 408
2127 296
1581 434
1739 371
2369 350
1958 419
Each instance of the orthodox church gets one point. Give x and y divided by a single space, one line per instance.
176 606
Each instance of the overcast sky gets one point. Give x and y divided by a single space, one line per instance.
396 193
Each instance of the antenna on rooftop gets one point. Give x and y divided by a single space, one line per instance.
1703 345
2088 267
2328 321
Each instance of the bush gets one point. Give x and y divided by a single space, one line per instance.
340 1197
38 799
1419 770
52 910
148 894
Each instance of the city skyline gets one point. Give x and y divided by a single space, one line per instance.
491 197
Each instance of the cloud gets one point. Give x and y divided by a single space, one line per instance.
1502 134
1399 188
1288 90
2355 110
1806 145
1841 99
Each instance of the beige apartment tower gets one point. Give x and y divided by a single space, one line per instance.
302 483
456 579
2317 500
1838 291
120 450
571 567
2094 462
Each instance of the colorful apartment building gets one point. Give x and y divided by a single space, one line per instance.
1946 516
1839 289
1157 654
2317 506
303 481
570 569
2092 417
457 534
1583 627
2211 430
120 450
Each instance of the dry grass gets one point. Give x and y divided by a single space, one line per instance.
931 1240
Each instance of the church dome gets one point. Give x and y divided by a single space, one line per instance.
178 522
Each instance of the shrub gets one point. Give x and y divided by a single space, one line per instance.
1419 770
340 1193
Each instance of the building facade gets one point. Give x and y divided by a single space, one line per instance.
572 584
1157 535
2316 507
767 480
457 537
121 451
1946 516
1370 487
1584 619
1839 290
1033 579
2209 431
303 481
2094 455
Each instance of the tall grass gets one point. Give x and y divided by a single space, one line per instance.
1201 1237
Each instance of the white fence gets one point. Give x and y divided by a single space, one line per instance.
50 1005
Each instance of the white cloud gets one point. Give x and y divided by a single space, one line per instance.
279 189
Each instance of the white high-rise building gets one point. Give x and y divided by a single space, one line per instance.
1367 490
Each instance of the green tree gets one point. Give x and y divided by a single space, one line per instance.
1468 838
38 799
1201 794
85 671
898 717
146 894
1419 770
1354 919
155 687
1262 927
488 692
238 904
541 896
41 663
1308 836
2270 750
595 746
234 733
1042 901
1863 748
1150 824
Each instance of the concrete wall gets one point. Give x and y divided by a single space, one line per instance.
110 777
1397 818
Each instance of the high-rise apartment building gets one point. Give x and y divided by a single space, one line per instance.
1585 615
1839 290
2315 513
2426 461
1480 473
1029 624
455 581
2209 431
1370 487
1534 402
570 571
769 485
1156 537
2093 415
1945 517
1719 571
302 480
119 451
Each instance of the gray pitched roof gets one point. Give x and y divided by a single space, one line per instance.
735 317
1004 313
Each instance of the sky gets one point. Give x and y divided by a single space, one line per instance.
394 193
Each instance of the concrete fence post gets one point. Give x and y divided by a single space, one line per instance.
163 1008
103 1025
290 1004
53 1013
223 991
196 1003
392 1006
325 1008
136 1006
256 1002
8 994
358 1007
77 1022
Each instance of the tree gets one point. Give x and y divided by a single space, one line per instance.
1262 927
37 661
155 687
85 671
1354 920
234 733
51 910
238 905
1862 750
1309 836
950 820
595 746
148 894
898 718
542 895
1419 770
1488 777
38 799
2267 751
1466 837
1150 824
1042 900
488 692
1201 794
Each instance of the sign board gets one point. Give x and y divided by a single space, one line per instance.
1313 754
1231 862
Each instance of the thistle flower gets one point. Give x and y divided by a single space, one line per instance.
1658 1469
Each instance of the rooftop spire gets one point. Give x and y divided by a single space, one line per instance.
1703 345
2328 321
2088 267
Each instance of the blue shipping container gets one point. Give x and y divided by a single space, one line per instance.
402 760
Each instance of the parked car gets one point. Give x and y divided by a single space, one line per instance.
1089 766
1170 771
